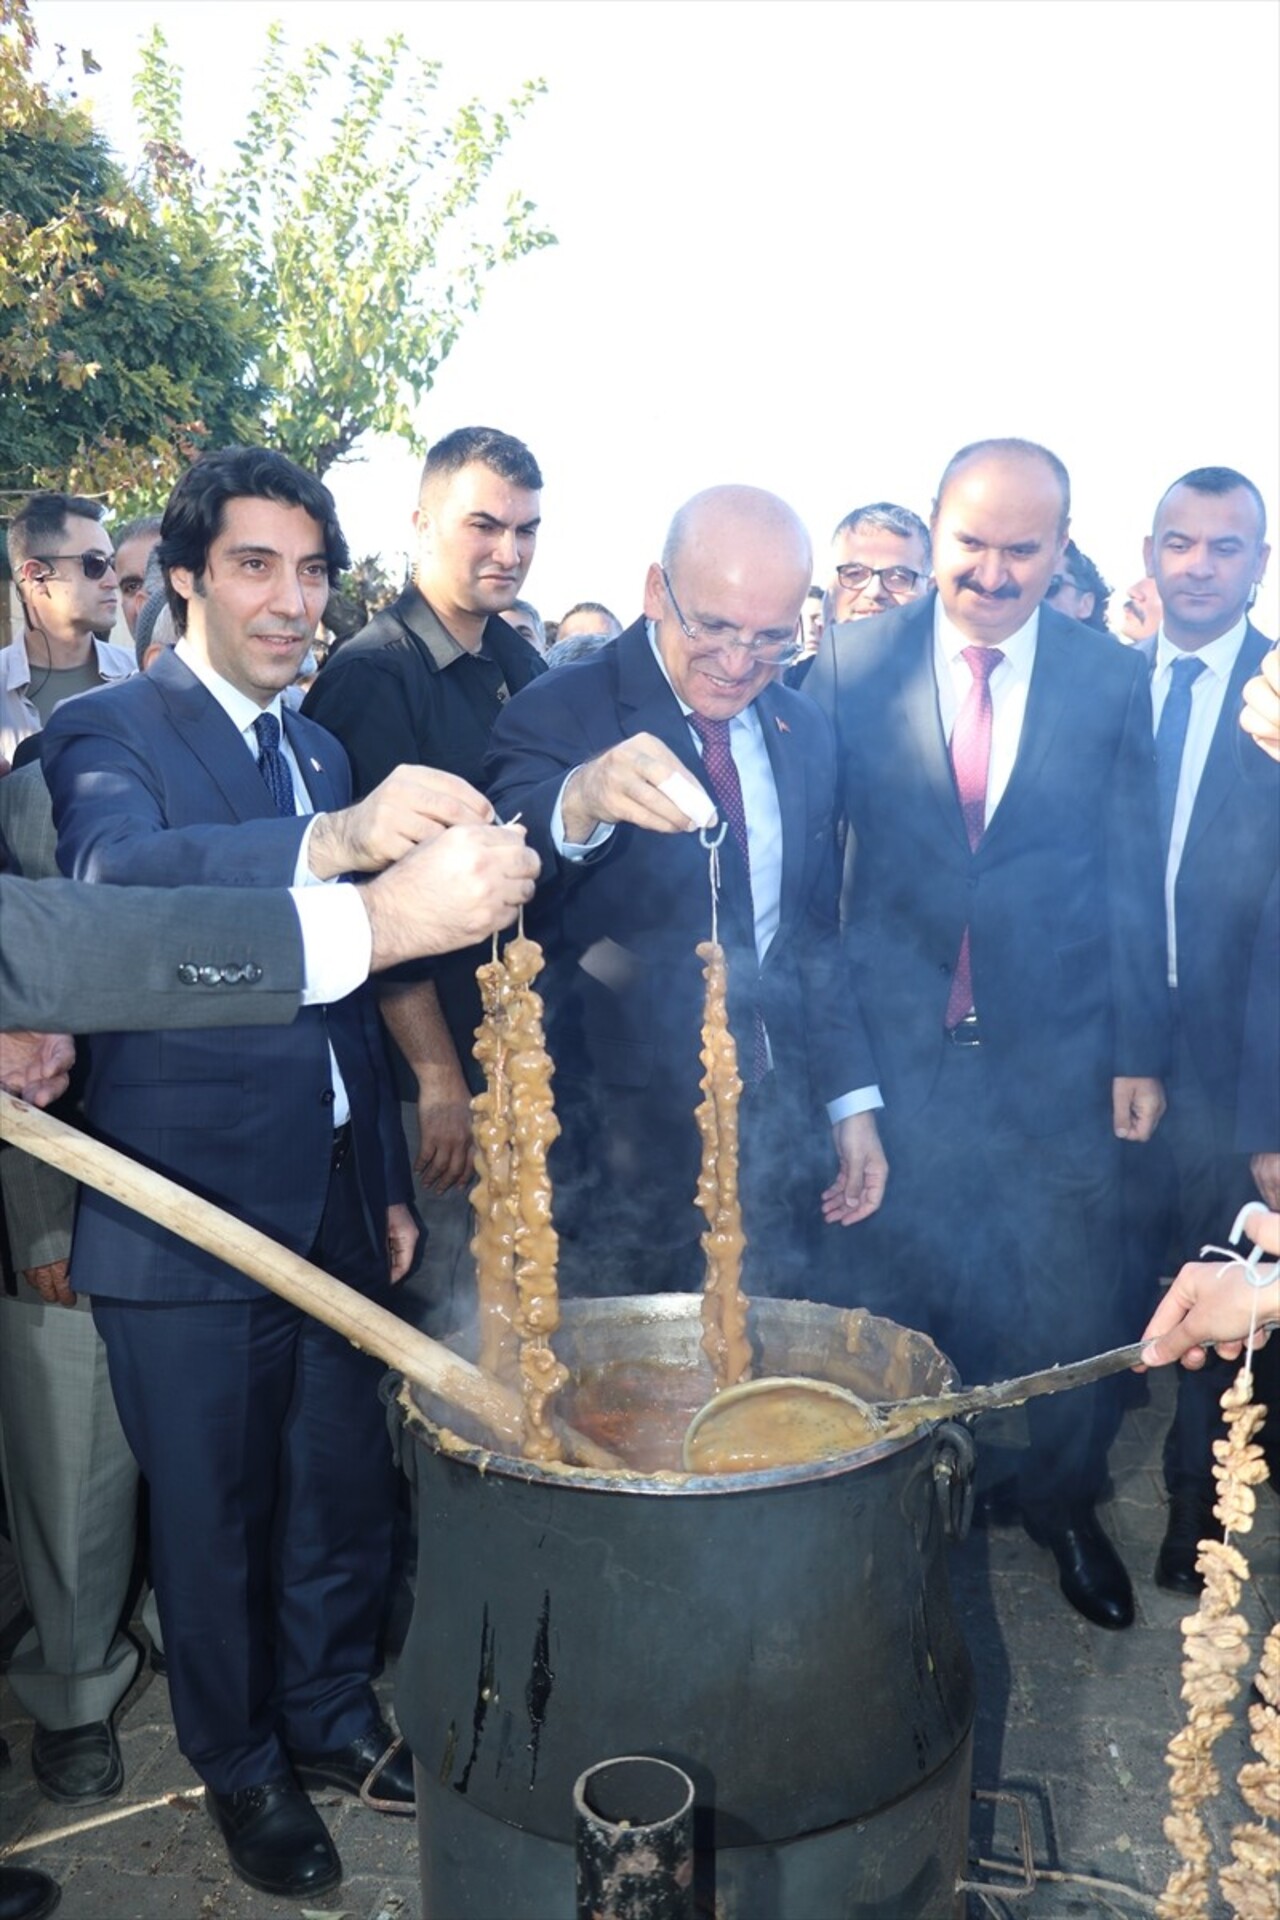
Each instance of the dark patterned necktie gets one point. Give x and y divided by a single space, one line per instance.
726 790
1171 738
273 766
970 762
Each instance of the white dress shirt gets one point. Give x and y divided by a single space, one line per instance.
1010 683
764 845
242 712
1208 690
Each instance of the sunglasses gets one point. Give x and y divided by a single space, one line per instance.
96 565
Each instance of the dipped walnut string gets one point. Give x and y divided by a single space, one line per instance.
724 1305
515 1244
1217 1647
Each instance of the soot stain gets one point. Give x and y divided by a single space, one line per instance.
537 1692
483 1700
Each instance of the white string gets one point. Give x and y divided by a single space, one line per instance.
713 866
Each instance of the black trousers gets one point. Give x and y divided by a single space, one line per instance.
1004 1249
272 1499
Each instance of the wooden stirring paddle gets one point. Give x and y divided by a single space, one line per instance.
364 1323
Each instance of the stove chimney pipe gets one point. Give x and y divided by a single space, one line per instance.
633 1841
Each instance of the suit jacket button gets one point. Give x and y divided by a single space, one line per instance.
327 1097
251 972
188 975
210 976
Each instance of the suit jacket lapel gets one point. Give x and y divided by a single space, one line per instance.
1227 749
924 720
212 737
313 759
1048 696
790 780
646 703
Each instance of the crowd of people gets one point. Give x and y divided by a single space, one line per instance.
1001 902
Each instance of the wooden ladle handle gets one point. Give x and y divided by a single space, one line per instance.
366 1325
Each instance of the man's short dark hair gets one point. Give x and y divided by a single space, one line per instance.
502 453
1088 578
890 519
146 528
1219 480
985 449
41 521
589 606
197 507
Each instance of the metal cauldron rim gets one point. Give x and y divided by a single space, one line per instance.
655 1308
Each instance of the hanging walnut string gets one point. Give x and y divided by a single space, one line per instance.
724 1305
515 1244
1216 1648
493 1244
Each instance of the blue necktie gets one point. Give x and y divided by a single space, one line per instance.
273 766
1171 738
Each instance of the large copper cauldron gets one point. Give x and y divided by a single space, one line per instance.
785 1637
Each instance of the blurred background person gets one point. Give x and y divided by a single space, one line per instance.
1079 590
527 621
136 541
880 558
1140 612
588 616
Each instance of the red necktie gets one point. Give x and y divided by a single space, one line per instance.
970 759
726 789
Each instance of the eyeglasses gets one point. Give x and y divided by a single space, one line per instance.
777 649
893 579
96 565
1058 582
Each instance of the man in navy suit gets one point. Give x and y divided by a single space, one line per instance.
1207 553
259 1431
608 762
1004 924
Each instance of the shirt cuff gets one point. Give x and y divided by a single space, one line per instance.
864 1100
572 850
302 874
337 941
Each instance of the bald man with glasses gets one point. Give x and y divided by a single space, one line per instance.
614 766
63 566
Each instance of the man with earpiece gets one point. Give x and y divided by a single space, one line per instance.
64 569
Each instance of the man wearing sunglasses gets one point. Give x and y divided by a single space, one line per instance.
64 569
613 765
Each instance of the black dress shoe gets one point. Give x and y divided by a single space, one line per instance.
77 1765
275 1839
1190 1521
365 1766
1091 1573
27 1894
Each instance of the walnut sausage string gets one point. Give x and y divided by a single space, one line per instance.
1216 1648
515 1245
724 1305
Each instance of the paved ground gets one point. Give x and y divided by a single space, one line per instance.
1073 1720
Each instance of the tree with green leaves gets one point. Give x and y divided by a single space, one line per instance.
357 219
125 342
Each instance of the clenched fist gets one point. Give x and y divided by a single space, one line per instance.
450 892
411 805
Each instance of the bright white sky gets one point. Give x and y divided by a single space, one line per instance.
818 245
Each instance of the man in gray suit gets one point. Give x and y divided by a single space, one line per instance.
214 956
70 1481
